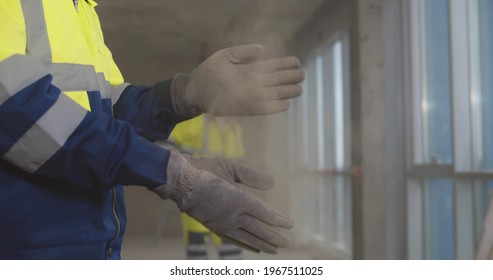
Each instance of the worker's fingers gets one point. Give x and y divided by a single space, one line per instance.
278 64
250 240
281 92
284 77
247 176
237 243
243 54
263 212
264 231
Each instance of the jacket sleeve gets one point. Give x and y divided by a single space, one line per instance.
44 132
148 109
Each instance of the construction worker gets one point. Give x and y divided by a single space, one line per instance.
208 136
72 133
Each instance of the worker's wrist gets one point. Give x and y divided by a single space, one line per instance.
180 176
181 102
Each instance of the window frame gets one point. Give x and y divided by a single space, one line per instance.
323 237
463 171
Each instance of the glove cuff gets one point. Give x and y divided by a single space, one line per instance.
181 176
179 101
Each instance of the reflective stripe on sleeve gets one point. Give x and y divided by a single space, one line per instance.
10 79
116 92
38 43
47 135
105 89
74 77
66 77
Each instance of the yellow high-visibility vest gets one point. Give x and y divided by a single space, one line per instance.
80 62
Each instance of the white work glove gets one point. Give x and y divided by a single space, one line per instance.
225 209
233 82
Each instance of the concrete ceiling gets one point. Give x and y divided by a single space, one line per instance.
182 32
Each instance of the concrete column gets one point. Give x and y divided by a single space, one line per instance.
369 198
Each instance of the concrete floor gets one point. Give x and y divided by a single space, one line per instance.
140 248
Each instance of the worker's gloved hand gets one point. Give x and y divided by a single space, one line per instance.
233 82
232 171
233 214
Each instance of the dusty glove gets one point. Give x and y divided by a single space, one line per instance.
233 82
231 213
232 171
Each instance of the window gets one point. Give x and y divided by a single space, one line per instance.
435 108
450 182
319 143
482 85
481 15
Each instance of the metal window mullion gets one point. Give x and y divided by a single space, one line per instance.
464 219
321 223
422 105
417 78
321 77
415 198
475 85
460 85
461 121
339 104
320 155
415 220
330 229
479 210
347 97
349 213
426 218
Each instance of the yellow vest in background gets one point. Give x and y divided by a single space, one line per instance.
210 136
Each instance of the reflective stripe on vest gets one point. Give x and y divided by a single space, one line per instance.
71 78
44 139
38 43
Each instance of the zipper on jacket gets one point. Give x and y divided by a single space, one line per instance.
117 221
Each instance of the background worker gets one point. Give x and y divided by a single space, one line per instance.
208 136
72 133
